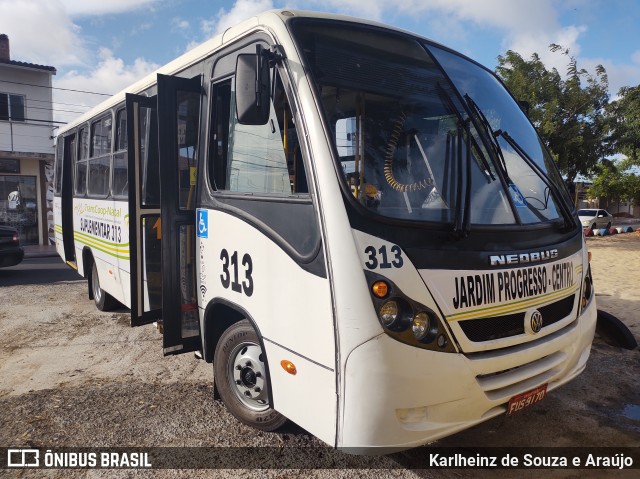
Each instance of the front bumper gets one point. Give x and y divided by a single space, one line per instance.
398 396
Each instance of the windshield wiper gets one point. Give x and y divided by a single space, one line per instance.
507 183
462 217
495 146
569 221
462 223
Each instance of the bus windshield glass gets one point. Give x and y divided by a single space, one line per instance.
413 144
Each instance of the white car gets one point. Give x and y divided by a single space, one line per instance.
595 218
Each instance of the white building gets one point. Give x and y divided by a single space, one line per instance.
26 147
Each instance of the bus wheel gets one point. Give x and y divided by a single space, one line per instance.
104 301
240 373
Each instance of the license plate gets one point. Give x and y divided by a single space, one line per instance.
524 400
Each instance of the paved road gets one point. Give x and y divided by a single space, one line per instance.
38 271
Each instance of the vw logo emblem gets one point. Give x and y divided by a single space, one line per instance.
536 321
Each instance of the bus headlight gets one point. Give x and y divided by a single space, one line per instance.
389 313
421 326
395 314
405 319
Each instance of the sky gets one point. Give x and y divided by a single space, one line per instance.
104 45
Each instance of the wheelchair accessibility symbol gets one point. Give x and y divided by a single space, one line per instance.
203 223
517 196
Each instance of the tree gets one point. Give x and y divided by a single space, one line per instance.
569 113
617 182
623 118
607 183
631 186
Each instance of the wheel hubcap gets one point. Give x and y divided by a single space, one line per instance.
247 375
95 283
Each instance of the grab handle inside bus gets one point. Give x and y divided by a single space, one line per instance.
252 88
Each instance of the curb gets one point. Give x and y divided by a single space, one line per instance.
39 252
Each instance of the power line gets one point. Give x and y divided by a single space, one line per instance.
54 109
23 136
57 103
22 121
56 88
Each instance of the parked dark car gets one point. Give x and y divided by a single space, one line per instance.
11 253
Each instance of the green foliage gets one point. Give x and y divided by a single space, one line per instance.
623 117
618 181
569 113
607 183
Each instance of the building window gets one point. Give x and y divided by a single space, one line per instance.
11 107
9 166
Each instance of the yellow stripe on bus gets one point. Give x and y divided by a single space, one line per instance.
117 250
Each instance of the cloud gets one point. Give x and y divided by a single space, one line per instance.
567 37
179 24
100 7
41 32
619 74
241 10
109 76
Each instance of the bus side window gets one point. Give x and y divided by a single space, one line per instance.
261 159
188 120
219 140
120 180
99 165
149 157
81 163
289 136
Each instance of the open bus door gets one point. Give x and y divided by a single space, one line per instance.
179 119
68 161
144 210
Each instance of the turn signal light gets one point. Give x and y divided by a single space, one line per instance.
289 367
589 256
380 289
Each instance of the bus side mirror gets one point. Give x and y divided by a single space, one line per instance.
253 85
525 106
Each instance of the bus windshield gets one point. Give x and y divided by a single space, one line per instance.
416 144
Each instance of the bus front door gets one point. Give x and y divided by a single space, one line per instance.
145 235
68 162
179 119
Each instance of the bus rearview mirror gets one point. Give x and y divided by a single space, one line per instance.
252 89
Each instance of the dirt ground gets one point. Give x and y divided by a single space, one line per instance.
71 376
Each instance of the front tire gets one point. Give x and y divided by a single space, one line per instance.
240 374
104 301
